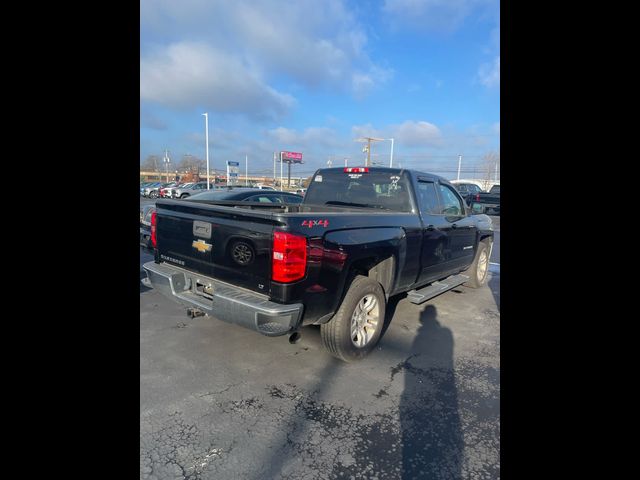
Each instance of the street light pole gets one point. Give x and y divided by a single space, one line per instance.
459 163
166 164
206 135
246 170
391 159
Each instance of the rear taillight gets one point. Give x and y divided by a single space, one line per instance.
289 257
356 170
477 197
153 229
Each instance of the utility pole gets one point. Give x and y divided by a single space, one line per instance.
391 160
274 169
206 134
459 163
281 171
368 147
246 170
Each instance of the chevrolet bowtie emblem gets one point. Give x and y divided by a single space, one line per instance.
201 246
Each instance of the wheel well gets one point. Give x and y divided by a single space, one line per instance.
487 239
380 270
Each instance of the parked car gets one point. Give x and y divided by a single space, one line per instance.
360 236
467 189
164 191
487 202
247 195
217 195
145 225
171 192
145 186
184 192
264 187
154 191
301 191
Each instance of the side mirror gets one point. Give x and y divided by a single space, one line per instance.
476 208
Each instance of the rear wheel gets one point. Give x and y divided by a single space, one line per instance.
479 269
356 328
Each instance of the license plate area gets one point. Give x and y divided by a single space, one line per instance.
203 289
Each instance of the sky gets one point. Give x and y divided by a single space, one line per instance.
313 76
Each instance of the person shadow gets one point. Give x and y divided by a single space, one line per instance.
432 441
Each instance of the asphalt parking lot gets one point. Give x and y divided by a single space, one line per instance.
218 401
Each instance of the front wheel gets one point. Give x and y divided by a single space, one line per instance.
184 195
479 269
356 328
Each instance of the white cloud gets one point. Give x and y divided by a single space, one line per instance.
417 134
310 137
367 130
187 75
151 121
489 73
317 44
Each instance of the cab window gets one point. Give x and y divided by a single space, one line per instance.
451 204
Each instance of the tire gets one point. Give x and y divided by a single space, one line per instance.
336 334
153 194
184 195
479 269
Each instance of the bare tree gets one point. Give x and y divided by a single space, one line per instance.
191 164
489 162
151 164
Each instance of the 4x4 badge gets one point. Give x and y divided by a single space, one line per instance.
201 246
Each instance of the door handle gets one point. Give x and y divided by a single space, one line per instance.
454 225
431 228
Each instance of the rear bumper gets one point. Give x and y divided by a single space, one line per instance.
227 303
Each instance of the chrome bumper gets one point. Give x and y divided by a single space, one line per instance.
226 302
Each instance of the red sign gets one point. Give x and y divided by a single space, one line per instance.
292 156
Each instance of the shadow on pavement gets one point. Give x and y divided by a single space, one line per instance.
494 285
432 442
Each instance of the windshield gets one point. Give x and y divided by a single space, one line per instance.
386 190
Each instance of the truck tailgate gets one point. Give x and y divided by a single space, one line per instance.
222 242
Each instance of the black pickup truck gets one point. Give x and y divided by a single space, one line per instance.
487 202
362 235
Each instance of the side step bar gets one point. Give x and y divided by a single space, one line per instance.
436 288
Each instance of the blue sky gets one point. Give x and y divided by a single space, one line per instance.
313 76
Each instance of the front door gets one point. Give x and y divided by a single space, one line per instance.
460 228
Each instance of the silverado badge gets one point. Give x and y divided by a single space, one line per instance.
201 245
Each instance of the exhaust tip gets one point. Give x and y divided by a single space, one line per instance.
294 338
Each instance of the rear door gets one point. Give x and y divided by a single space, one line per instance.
435 253
225 243
460 228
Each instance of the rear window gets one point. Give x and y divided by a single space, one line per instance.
384 190
495 189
